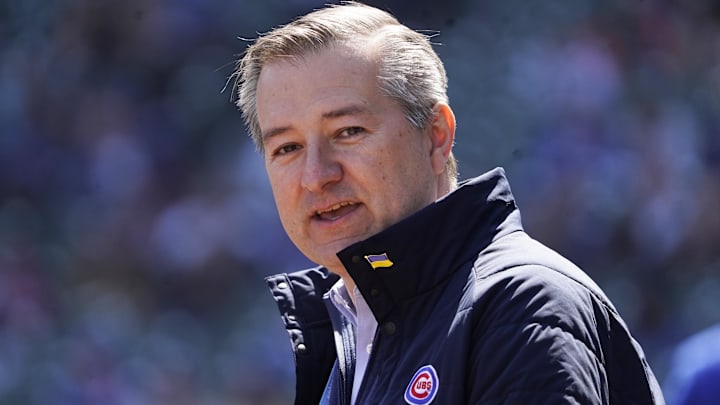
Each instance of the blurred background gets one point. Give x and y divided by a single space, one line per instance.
137 223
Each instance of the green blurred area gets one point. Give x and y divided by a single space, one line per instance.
136 221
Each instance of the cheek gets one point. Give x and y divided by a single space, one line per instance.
277 191
281 195
286 199
288 219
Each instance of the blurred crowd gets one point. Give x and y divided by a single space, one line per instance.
137 224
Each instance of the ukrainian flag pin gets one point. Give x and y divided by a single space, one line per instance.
379 261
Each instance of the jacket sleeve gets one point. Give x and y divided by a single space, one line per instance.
535 340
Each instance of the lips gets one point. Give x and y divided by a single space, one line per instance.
335 211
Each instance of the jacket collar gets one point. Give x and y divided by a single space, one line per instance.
433 243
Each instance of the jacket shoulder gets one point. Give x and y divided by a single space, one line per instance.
544 319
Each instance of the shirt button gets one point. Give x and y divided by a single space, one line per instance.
368 348
390 328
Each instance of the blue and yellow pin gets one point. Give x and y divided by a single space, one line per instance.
379 261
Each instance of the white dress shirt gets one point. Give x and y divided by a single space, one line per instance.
365 325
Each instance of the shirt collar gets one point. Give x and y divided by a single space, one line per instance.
340 298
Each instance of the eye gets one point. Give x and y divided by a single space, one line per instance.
352 131
285 149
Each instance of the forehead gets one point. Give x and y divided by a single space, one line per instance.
338 74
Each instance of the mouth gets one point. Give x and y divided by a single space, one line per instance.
335 211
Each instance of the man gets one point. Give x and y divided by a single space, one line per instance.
426 291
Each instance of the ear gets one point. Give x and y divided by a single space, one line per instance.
442 136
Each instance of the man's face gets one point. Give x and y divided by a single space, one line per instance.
343 161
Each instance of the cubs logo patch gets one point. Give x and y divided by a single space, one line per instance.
423 387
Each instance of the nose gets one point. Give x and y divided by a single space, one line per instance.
321 168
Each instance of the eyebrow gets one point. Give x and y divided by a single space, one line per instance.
273 132
352 109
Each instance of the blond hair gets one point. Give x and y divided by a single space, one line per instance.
410 71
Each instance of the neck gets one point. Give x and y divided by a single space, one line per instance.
446 184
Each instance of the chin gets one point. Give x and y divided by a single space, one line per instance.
326 255
328 259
